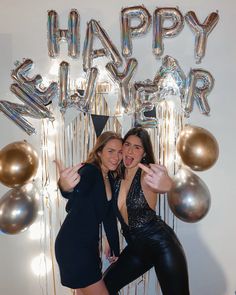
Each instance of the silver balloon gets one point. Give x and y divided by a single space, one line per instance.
170 79
15 113
189 198
159 31
37 108
199 84
76 100
95 30
123 79
33 86
18 209
129 31
85 100
64 84
20 73
71 35
34 95
201 31
53 33
145 100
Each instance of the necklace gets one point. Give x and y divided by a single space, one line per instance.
105 175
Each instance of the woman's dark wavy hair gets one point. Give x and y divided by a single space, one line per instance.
146 142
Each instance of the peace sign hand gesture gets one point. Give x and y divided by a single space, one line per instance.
68 177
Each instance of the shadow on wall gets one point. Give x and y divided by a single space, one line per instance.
206 276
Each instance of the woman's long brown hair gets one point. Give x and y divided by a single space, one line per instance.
102 140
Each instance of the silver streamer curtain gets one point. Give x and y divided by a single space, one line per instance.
68 139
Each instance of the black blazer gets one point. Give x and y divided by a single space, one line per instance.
89 206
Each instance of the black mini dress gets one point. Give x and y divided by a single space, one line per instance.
77 243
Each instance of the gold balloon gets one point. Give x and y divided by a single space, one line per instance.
197 148
18 209
18 164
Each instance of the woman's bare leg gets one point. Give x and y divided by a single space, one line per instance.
97 288
78 292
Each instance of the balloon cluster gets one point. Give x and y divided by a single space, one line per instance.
136 98
122 79
169 80
19 206
168 22
198 149
190 198
195 87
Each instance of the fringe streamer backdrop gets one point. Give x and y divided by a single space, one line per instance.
69 142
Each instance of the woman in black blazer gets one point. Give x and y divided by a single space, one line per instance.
89 193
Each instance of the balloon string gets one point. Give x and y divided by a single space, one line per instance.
52 250
43 244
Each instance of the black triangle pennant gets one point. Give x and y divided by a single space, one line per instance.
99 123
151 113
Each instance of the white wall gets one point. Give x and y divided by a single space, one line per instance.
209 244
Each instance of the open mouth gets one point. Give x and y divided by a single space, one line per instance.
128 161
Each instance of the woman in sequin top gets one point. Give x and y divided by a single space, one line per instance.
150 241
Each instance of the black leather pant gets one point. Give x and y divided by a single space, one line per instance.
154 245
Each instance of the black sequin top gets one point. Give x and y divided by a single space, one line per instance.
139 212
